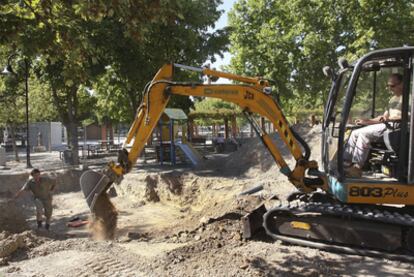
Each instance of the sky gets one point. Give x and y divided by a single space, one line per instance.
222 22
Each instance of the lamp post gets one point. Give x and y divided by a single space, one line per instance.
8 70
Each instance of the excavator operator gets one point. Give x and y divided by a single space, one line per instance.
358 145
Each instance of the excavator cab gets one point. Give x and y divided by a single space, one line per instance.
359 90
370 214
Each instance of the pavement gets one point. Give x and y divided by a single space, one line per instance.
52 161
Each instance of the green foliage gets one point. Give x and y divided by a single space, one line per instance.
11 104
11 97
186 39
211 111
114 47
290 41
40 102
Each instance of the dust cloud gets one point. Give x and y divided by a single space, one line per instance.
104 219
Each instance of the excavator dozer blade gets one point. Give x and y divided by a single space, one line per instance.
93 184
253 222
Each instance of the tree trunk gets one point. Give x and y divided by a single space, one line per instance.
13 137
234 130
196 130
67 106
226 128
111 132
190 130
72 130
133 102
71 124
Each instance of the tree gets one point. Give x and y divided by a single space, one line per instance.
11 106
290 41
72 43
186 39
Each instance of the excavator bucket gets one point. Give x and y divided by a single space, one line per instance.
93 184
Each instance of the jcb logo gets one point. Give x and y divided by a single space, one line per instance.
377 192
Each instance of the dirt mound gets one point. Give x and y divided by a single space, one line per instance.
150 189
10 243
12 218
66 180
104 219
153 187
253 158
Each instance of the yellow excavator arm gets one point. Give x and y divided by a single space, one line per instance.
252 95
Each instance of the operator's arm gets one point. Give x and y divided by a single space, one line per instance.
375 120
369 121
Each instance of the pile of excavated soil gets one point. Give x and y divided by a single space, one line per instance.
143 188
66 181
10 243
12 218
253 159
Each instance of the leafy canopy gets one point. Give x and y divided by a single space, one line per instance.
291 41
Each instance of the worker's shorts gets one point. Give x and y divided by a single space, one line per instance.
43 207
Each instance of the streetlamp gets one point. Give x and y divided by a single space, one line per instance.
8 70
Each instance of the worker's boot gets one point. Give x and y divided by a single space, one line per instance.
39 224
47 226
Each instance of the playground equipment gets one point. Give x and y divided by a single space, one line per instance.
172 141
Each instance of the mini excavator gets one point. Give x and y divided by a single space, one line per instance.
371 215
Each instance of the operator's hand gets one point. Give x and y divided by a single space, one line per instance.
382 119
361 121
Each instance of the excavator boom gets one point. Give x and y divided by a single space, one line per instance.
252 95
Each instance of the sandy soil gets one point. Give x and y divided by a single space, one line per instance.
183 222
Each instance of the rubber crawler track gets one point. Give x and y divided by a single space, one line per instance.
349 212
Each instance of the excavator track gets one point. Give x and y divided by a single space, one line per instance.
378 231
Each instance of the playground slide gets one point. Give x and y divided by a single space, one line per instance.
191 153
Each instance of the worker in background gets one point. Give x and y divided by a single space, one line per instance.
220 143
359 143
42 188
